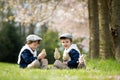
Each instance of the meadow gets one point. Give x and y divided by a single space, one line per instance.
95 70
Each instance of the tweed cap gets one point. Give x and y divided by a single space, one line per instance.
66 35
33 37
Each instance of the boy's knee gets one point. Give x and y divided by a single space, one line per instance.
44 63
57 62
60 65
34 64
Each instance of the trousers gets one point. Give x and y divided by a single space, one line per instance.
43 64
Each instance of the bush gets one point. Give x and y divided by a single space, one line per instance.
10 43
49 42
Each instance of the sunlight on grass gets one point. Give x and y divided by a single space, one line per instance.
96 70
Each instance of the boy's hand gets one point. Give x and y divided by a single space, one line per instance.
41 56
65 63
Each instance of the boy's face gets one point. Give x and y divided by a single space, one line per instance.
66 43
34 45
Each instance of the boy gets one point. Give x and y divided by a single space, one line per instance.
28 55
70 55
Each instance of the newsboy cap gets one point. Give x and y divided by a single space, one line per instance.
66 35
33 37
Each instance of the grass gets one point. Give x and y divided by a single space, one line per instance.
96 70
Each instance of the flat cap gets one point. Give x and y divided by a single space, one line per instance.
33 37
66 35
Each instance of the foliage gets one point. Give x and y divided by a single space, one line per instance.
49 42
10 42
96 70
82 48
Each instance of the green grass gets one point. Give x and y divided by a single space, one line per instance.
96 70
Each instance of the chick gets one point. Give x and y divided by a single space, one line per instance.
81 61
42 54
43 51
56 54
65 56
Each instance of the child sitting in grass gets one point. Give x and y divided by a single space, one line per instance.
71 53
28 55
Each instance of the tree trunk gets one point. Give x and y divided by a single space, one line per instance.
105 37
115 18
31 29
94 28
